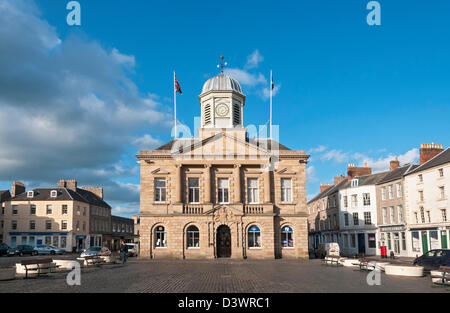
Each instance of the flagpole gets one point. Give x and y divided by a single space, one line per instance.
175 105
271 82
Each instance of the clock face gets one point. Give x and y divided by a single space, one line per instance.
222 110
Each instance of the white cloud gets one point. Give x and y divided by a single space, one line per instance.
382 164
121 210
335 155
266 91
123 58
254 59
311 174
318 149
146 142
246 78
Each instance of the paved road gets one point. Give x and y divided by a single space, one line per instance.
239 276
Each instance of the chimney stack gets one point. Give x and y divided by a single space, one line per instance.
69 184
98 191
394 164
17 188
324 187
429 151
338 179
353 171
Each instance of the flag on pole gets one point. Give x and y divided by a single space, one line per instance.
271 81
177 86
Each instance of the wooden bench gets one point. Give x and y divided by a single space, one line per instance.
444 277
332 260
38 265
92 260
364 264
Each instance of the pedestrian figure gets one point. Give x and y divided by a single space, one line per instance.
123 252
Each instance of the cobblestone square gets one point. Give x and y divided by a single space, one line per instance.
222 275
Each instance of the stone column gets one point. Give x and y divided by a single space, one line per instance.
208 183
178 184
237 183
267 184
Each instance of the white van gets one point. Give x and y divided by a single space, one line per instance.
132 249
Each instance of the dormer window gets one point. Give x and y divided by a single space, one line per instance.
30 194
355 182
53 193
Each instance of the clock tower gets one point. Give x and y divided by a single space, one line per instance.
222 103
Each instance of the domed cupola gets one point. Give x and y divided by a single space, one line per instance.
222 102
221 82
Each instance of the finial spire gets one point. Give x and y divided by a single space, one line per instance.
222 64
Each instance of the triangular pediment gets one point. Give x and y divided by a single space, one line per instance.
228 209
221 145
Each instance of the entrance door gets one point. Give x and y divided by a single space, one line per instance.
361 244
424 242
223 242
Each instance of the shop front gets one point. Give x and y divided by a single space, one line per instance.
426 239
394 239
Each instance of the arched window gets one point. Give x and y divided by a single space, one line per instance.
193 237
287 237
254 237
160 237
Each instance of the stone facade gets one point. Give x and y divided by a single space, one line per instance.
223 195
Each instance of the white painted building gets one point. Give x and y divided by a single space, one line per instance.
427 203
358 215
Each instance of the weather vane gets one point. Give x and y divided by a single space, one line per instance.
222 64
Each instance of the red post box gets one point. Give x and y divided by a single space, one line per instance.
383 252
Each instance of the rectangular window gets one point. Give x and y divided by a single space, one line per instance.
345 202
63 241
400 214
49 209
194 190
84 211
399 190
354 201
441 172
421 195
353 239
355 219
286 190
346 219
32 209
32 225
160 190
367 218
444 215
223 190
416 216
383 193
390 192
420 178
442 193
56 241
63 225
422 215
392 216
252 190
372 241
13 225
64 209
384 215
48 224
31 241
403 241
366 198
14 209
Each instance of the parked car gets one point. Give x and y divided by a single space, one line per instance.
13 251
3 249
433 259
96 250
26 249
132 249
47 249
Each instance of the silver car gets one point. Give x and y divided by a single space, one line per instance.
97 251
47 249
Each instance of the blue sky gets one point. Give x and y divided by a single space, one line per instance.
346 91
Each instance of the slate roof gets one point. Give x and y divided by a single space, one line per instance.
64 194
329 191
4 195
440 159
395 174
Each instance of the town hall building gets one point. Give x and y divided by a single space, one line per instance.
223 194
